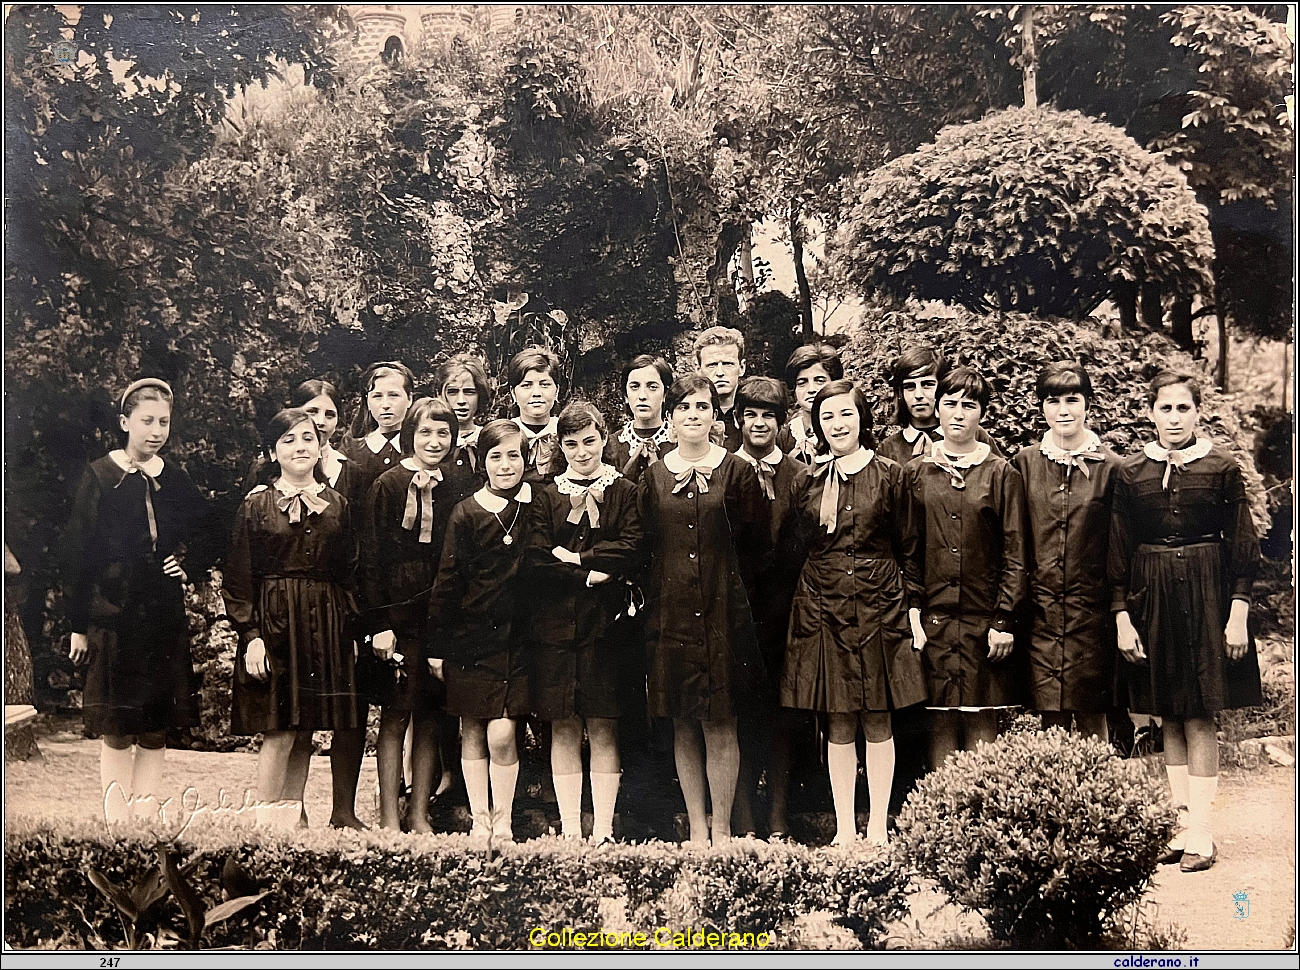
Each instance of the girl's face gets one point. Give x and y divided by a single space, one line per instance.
298 450
505 463
918 395
808 383
147 428
388 401
584 450
535 395
461 396
1066 414
959 416
433 442
693 418
758 428
1175 415
325 413
841 424
645 396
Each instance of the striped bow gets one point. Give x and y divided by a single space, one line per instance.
150 486
292 499
421 489
700 473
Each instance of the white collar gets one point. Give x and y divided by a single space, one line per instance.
552 428
773 457
910 434
1062 456
496 504
849 464
968 460
395 441
799 429
284 488
629 436
153 467
409 464
676 464
604 476
331 462
467 437
1191 453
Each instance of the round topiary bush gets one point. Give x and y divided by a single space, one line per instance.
1047 835
1034 210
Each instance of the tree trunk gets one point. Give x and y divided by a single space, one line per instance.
1221 371
800 275
1181 320
1124 295
1152 312
745 287
1029 56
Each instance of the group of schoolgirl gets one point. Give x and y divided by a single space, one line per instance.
783 564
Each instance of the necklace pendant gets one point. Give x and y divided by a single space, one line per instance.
508 539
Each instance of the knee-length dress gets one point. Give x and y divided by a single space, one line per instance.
475 625
289 582
706 530
406 522
1182 547
964 565
632 451
577 633
850 646
1071 638
126 520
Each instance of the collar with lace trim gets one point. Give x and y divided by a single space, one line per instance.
849 464
153 467
552 428
772 458
496 504
395 441
605 475
628 435
968 460
284 488
1191 453
676 464
799 428
1054 452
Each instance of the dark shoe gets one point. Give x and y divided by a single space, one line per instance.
1169 857
1199 863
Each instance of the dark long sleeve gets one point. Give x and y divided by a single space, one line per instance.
79 565
912 541
1013 582
239 588
1119 552
375 598
1240 543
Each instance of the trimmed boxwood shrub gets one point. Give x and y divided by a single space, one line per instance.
1047 835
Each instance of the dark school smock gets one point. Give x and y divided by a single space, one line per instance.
907 443
543 458
1182 547
964 563
1071 646
466 457
706 529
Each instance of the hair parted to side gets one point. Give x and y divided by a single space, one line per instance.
426 409
689 384
308 391
916 361
647 360
472 365
283 422
1168 378
531 359
809 355
763 392
1063 377
145 389
577 416
363 422
720 336
967 381
495 432
865 436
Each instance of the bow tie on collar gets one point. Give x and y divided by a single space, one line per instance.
1176 459
700 474
421 491
470 443
766 474
292 499
830 467
954 466
923 444
1075 458
586 500
955 478
150 486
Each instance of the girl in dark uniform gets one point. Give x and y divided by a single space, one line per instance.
1069 482
584 539
914 376
1183 557
809 369
965 569
475 628
133 512
375 442
532 375
852 653
644 439
462 382
408 509
287 588
706 527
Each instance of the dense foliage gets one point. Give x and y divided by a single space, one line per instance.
1048 835
1037 211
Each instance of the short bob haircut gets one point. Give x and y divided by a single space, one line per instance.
1063 377
967 381
477 371
283 422
689 384
720 337
530 359
145 389
763 392
577 416
647 360
363 422
1168 378
917 361
308 391
426 409
495 432
810 355
833 389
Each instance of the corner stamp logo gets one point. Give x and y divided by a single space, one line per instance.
64 53
1241 904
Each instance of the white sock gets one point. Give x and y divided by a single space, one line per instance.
115 769
604 796
880 785
476 787
503 799
842 760
1178 795
1200 793
146 779
568 793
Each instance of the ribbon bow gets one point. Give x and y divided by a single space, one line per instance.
766 476
470 443
955 478
422 485
645 448
586 500
701 474
292 499
1176 458
1076 460
922 444
150 486
834 472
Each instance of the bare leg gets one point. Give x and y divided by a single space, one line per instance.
475 768
295 778
879 729
689 754
722 765
273 764
606 773
424 756
602 732
945 736
751 750
449 746
347 748
1202 783
503 772
392 738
